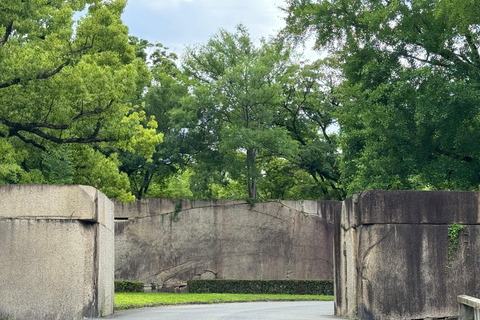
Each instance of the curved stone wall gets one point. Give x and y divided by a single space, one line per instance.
159 242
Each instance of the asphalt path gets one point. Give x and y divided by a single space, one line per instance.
298 310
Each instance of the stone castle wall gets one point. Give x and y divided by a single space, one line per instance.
223 239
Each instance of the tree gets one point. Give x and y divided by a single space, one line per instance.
308 113
162 100
64 93
409 112
235 99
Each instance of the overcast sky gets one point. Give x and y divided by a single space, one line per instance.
177 23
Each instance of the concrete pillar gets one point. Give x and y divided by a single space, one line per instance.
468 308
393 258
56 252
465 312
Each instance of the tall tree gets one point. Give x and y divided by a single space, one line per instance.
236 96
64 92
162 100
309 114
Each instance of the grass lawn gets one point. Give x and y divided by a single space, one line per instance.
150 299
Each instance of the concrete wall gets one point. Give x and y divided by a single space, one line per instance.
392 259
223 239
56 252
468 308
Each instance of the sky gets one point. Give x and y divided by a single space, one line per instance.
180 23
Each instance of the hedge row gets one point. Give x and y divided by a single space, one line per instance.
128 286
324 287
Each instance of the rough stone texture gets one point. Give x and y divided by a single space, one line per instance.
56 259
35 201
391 254
223 239
105 255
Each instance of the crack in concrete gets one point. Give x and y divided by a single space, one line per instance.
177 268
289 256
155 214
367 253
306 214
273 216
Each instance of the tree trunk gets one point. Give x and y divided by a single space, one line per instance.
252 173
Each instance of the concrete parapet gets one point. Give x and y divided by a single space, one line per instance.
468 308
418 207
223 239
392 257
45 201
56 252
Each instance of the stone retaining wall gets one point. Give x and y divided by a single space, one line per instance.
223 239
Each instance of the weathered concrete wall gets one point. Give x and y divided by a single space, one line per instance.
223 239
56 252
392 259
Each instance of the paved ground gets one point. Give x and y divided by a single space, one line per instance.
301 310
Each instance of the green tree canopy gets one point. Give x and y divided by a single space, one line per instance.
64 92
263 119
409 108
236 97
148 178
309 112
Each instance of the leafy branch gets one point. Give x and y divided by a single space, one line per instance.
35 128
47 73
7 33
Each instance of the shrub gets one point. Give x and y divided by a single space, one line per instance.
128 286
316 287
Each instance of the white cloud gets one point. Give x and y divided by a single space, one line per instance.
158 4
177 23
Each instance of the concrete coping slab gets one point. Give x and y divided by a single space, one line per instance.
72 202
418 207
469 301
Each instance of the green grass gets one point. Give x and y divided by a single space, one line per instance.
129 300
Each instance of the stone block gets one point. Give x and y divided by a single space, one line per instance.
56 253
420 207
468 308
392 257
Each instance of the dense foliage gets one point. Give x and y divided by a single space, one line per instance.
65 88
128 286
239 120
395 105
255 106
410 109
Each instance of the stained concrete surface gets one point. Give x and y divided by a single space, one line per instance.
56 252
301 310
392 256
223 239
